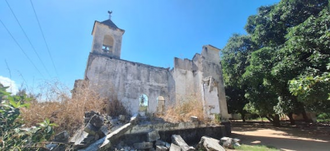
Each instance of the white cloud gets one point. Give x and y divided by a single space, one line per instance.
8 82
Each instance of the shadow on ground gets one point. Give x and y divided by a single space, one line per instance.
283 143
299 137
299 130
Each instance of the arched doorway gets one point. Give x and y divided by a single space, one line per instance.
143 104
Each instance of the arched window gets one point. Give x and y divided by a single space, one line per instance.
143 103
107 43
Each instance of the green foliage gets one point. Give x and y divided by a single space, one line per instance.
235 57
13 136
313 91
287 69
308 43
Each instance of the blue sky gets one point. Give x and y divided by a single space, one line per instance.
156 31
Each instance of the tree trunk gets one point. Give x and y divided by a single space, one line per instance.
304 114
274 119
269 118
292 121
243 116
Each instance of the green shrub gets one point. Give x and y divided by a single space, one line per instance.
13 134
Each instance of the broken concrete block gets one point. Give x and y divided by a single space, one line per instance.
114 122
121 118
91 129
143 145
62 137
175 147
109 118
95 146
90 114
160 143
228 143
153 136
177 140
161 148
194 119
134 118
236 142
97 121
209 144
78 137
104 129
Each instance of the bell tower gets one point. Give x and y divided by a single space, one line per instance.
107 38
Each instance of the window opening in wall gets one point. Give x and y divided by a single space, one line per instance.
143 103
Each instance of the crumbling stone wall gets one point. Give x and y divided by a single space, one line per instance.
202 78
127 81
199 78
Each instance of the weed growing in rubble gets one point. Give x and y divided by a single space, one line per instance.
181 112
56 104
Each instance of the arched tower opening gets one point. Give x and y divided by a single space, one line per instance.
108 44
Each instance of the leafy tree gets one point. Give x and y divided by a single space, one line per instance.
307 51
235 57
276 62
261 92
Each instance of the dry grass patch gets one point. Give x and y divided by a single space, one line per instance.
63 110
181 112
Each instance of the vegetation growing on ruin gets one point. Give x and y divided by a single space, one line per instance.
183 112
68 113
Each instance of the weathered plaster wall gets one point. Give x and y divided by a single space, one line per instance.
187 80
190 76
128 81
212 68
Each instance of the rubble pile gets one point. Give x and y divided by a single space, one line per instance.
102 132
96 127
178 144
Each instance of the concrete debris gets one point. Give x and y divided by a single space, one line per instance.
230 143
209 144
177 140
121 118
161 148
153 136
62 137
194 119
103 132
97 121
143 145
175 147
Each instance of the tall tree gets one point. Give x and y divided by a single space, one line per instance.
235 57
307 50
270 29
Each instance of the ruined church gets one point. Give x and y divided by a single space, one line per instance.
144 88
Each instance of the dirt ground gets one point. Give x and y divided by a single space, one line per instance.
301 137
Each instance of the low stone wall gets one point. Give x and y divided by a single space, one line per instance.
190 132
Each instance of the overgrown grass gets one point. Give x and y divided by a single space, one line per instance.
66 111
256 148
183 111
